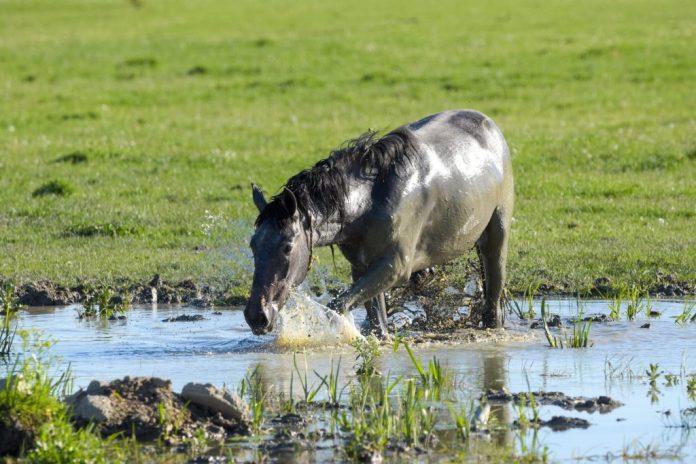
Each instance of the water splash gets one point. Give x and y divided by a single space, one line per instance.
305 322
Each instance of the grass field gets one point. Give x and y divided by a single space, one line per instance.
170 109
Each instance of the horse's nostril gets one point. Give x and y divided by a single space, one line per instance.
257 320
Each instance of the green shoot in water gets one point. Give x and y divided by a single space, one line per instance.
309 392
99 304
462 419
368 353
691 387
252 387
525 309
579 338
331 382
688 313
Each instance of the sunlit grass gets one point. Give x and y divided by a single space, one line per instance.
170 109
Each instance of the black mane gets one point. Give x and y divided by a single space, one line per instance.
323 189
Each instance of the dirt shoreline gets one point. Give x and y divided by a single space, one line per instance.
157 290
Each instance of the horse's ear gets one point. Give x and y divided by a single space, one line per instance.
288 202
258 197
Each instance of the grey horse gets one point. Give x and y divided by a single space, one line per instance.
420 196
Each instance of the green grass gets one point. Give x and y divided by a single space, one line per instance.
171 109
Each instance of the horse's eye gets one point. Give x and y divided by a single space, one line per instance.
287 249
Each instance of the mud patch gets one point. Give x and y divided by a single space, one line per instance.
147 408
185 318
601 404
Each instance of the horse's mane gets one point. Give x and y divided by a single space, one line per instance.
324 187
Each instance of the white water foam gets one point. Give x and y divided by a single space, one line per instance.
304 322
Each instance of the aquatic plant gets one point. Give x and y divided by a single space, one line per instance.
8 330
620 370
578 338
653 373
251 386
330 380
435 379
100 304
532 452
462 419
615 307
635 304
691 386
523 419
309 392
525 309
688 313
368 353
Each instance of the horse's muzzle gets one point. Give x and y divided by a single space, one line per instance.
258 321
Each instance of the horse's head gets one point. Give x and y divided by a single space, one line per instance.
281 256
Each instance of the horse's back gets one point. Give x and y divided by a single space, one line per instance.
461 173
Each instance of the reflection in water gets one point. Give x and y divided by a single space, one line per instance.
494 378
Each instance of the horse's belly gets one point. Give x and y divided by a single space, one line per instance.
451 217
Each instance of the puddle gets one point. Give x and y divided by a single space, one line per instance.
220 349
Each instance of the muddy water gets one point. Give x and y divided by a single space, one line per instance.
220 349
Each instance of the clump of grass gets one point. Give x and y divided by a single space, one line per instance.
635 304
8 329
384 410
368 353
691 386
309 391
462 417
104 229
620 370
58 187
31 398
32 401
57 441
100 304
578 338
688 313
435 379
72 158
330 380
615 307
252 387
653 373
523 420
525 309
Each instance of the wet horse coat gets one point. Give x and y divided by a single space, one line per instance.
420 196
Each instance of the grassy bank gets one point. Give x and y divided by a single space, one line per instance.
129 134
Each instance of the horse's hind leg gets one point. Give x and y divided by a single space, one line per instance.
492 248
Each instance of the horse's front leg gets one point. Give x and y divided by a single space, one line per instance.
378 278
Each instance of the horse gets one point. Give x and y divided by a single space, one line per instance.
419 196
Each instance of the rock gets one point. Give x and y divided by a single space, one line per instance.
645 326
228 404
96 408
14 438
97 387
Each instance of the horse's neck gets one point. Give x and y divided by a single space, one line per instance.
325 231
